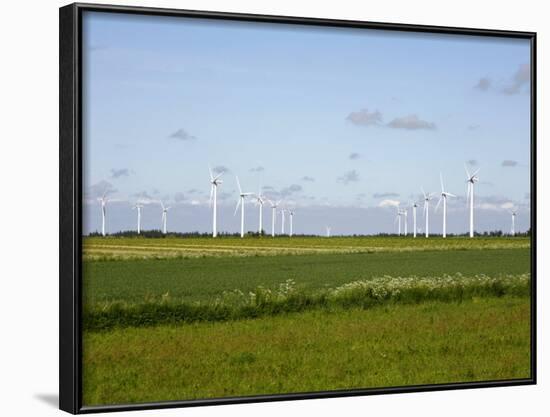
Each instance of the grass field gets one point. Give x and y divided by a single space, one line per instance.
204 278
483 339
176 318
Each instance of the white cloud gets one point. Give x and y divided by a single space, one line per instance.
388 203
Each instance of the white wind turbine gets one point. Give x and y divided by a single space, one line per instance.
274 206
328 230
291 217
214 182
514 213
427 198
103 200
260 200
414 206
398 221
443 197
138 207
164 216
471 180
240 202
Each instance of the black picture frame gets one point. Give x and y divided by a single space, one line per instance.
70 206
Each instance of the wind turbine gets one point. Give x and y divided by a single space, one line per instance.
260 200
164 216
513 229
138 207
274 206
398 220
103 201
443 198
414 206
427 198
471 180
240 202
291 215
328 230
214 181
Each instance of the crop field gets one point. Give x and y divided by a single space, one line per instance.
96 248
186 318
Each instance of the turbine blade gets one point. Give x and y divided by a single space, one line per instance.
467 172
239 185
423 192
438 203
210 171
475 173
237 206
441 180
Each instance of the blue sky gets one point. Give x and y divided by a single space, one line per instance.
340 123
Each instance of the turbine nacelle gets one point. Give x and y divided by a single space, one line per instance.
164 208
471 178
215 180
242 195
274 204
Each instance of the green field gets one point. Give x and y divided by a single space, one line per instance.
179 318
204 278
431 343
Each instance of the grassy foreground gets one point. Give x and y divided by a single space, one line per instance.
391 345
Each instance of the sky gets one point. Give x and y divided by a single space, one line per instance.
340 124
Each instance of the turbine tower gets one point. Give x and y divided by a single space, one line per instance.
274 206
164 216
427 198
283 210
138 207
443 198
291 216
513 229
214 182
471 180
103 201
240 201
414 206
260 200
328 230
405 213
